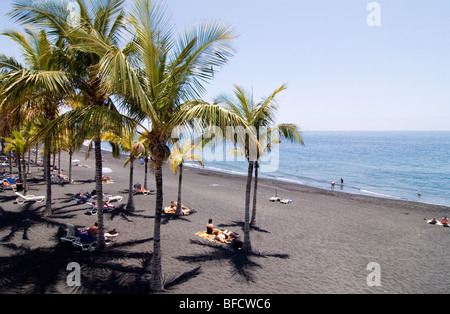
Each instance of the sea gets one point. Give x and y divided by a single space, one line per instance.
412 166
402 165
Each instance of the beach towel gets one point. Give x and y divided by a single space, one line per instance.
170 210
211 237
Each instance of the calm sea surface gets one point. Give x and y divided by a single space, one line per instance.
395 165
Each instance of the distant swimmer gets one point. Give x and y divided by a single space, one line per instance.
419 194
342 181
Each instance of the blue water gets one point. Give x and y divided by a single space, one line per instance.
395 165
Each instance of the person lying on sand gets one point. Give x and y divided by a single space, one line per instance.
433 221
222 236
184 209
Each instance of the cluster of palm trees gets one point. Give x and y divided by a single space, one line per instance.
116 70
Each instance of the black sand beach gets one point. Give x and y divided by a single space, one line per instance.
322 242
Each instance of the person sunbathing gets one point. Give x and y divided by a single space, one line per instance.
93 232
433 221
222 236
184 209
445 221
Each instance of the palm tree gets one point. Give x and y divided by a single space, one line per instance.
127 143
259 116
102 21
71 139
38 87
178 156
164 74
20 144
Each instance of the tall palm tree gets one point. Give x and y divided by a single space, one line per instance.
164 73
37 87
178 156
103 21
259 116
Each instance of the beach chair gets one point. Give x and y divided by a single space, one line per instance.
28 198
91 210
138 189
85 245
275 198
88 244
70 236
9 183
110 198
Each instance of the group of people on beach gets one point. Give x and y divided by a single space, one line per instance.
220 235
444 221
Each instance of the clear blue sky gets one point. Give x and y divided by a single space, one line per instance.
341 73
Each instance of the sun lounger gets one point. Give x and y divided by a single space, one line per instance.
138 189
93 208
85 245
28 198
9 183
110 198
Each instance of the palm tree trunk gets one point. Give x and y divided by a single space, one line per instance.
47 178
59 160
180 180
156 282
10 163
70 165
25 187
101 244
29 161
146 173
255 194
19 166
37 154
130 204
247 246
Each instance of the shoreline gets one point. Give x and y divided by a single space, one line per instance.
288 181
300 186
322 242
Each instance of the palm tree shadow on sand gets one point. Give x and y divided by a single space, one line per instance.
44 270
242 263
